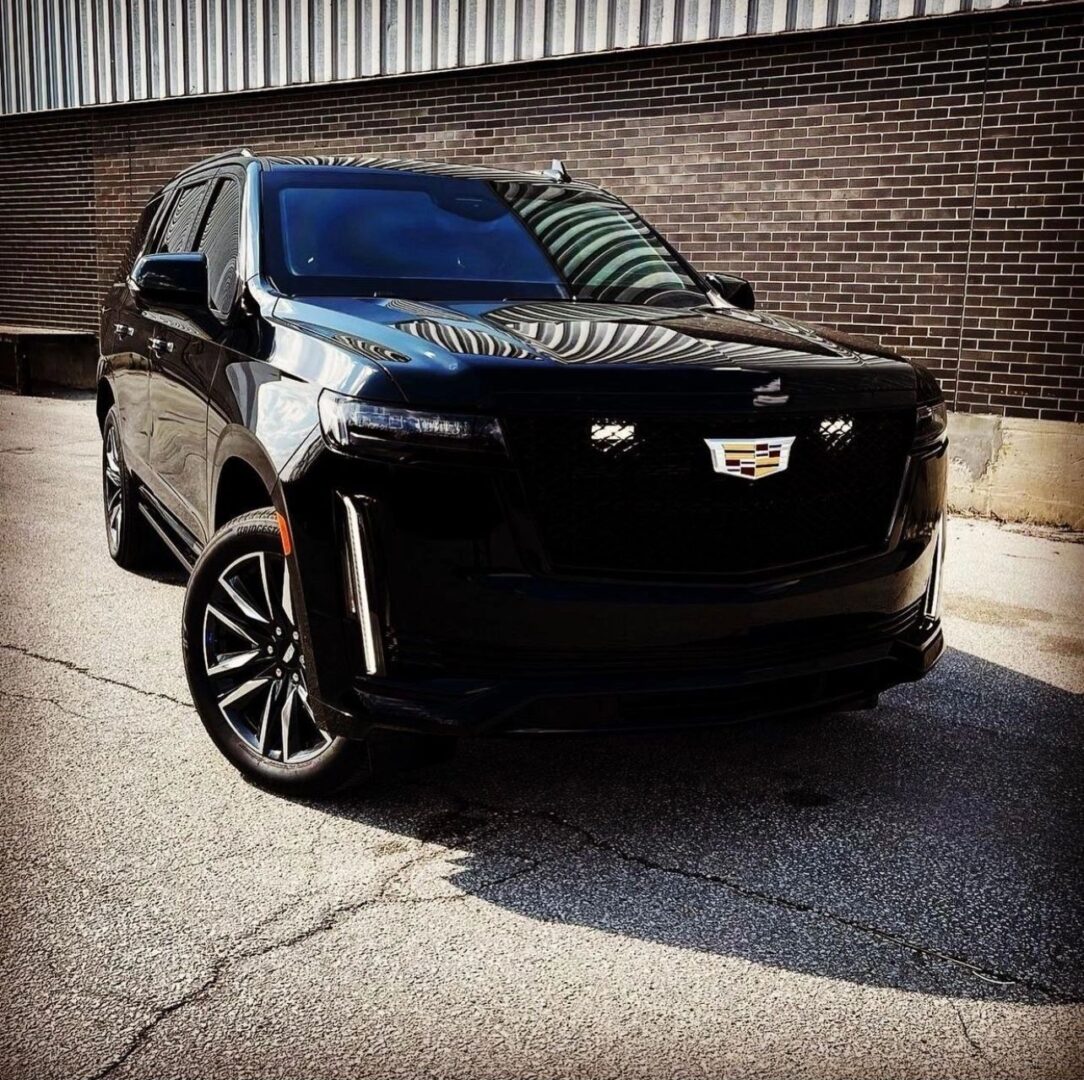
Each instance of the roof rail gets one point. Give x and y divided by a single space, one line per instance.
226 155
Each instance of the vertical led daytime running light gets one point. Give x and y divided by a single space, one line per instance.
361 588
933 590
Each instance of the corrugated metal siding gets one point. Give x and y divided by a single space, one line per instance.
56 54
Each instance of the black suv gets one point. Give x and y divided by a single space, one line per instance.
451 450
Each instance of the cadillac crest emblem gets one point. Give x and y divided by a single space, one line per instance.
751 459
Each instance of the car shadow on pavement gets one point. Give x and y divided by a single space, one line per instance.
931 845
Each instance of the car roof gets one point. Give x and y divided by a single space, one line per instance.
395 164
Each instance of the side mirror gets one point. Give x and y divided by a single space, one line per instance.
175 281
734 289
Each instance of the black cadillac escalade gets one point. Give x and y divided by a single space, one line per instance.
452 450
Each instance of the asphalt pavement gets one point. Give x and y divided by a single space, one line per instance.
892 893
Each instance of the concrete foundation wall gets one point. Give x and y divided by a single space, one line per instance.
31 360
1017 469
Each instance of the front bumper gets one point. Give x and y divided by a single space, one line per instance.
476 637
608 702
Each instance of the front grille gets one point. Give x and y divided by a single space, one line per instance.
638 494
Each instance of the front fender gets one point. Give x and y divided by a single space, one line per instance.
257 415
238 443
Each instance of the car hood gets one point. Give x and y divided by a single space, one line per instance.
474 355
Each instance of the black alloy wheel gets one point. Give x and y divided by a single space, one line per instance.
246 669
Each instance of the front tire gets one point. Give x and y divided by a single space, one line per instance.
245 668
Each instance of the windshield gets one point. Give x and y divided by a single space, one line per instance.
345 231
604 251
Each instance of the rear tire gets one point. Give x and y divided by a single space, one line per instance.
245 668
133 544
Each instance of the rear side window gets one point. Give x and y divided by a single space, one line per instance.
181 219
218 240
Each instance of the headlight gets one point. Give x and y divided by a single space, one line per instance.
352 424
932 419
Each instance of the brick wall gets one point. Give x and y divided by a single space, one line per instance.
918 181
48 242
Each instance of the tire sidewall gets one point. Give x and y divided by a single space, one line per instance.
136 547
112 424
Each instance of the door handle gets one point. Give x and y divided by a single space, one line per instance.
123 330
160 345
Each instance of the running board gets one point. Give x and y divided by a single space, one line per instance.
166 539
170 531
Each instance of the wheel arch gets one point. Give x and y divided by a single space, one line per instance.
243 479
105 400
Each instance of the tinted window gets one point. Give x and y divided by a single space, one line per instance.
365 232
605 252
139 237
181 219
218 239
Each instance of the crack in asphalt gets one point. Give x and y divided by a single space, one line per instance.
601 843
966 1031
80 669
337 914
195 993
221 966
39 699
